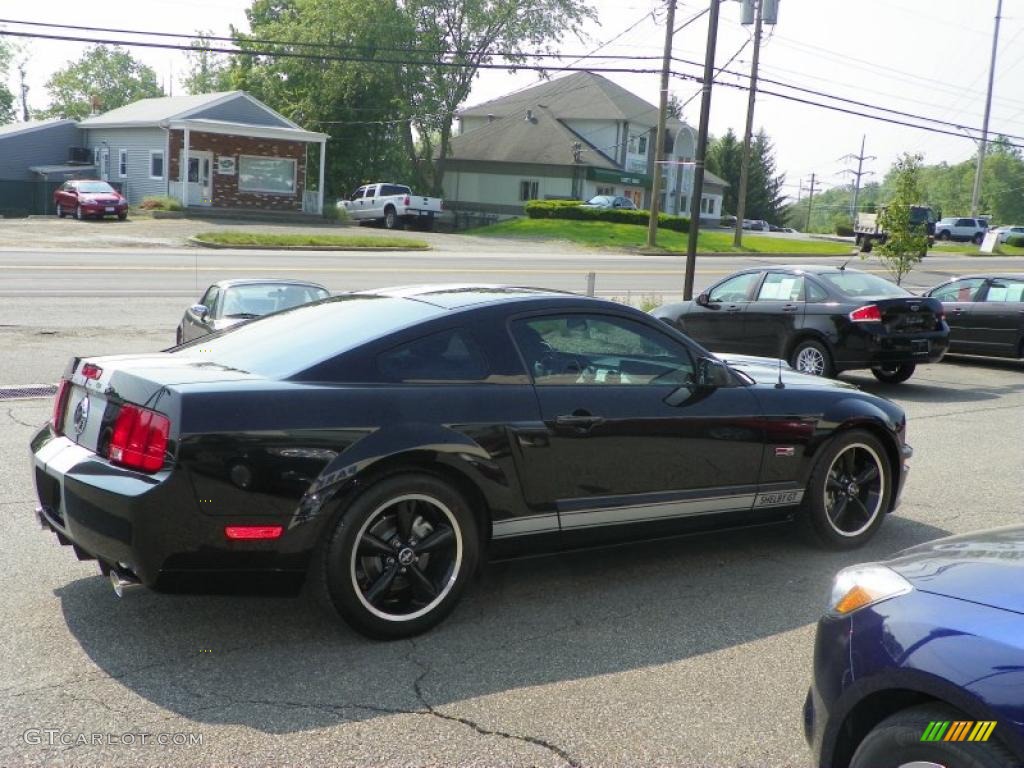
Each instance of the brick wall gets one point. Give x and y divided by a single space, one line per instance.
225 193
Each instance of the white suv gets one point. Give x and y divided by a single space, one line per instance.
955 228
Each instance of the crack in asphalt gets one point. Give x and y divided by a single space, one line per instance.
967 411
16 420
536 741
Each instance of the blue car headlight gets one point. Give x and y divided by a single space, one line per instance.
859 586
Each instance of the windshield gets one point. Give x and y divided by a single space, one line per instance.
295 340
96 187
263 298
860 284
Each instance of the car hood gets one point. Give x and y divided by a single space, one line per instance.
984 567
766 370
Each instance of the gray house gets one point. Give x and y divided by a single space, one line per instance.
34 158
239 152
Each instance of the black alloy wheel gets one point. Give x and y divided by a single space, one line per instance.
849 492
896 743
400 556
895 374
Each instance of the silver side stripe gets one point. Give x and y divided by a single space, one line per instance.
524 526
639 513
645 512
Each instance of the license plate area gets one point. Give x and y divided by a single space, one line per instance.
110 209
920 346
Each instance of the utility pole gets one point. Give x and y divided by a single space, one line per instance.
810 202
741 194
701 151
976 194
857 174
659 140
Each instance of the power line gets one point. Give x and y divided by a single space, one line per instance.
858 173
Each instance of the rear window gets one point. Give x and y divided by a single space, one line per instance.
862 285
294 340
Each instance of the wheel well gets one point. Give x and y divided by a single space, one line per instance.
389 207
809 336
869 712
424 464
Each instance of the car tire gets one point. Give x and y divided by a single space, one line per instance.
978 238
943 235
60 211
122 216
867 245
812 357
896 375
374 569
849 492
391 219
896 742
78 213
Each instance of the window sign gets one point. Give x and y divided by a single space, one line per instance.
226 165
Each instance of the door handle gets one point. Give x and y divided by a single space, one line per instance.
733 308
958 310
581 421
791 308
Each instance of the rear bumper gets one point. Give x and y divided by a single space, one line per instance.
872 347
147 524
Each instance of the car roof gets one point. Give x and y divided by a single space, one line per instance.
812 269
265 281
987 276
458 295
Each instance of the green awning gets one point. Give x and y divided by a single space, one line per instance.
619 177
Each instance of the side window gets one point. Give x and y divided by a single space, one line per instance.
779 286
814 291
210 300
959 290
600 350
371 191
358 193
965 222
448 356
735 288
1005 290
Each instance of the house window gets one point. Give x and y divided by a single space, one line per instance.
606 190
266 174
711 206
641 145
703 205
122 163
156 164
529 190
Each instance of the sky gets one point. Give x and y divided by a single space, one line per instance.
885 52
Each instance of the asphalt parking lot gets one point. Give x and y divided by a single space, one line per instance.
684 652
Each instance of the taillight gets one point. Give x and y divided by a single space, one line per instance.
60 401
140 437
250 532
869 313
407 201
91 371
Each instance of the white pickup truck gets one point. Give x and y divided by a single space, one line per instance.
393 205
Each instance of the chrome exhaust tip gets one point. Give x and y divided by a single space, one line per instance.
121 580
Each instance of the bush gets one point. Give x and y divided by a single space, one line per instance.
1017 241
570 209
160 203
844 230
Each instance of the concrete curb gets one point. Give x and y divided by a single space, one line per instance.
232 247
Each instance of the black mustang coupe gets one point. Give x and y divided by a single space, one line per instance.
381 444
822 319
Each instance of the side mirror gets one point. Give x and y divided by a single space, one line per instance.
199 310
704 299
712 373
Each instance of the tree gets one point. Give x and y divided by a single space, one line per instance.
6 97
468 31
208 72
107 73
724 156
765 199
674 108
906 243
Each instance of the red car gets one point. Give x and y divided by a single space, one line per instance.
89 197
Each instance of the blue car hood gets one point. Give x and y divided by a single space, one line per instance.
984 567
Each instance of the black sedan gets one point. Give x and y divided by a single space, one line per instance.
230 302
823 320
985 314
383 443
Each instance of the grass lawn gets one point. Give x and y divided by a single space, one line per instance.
277 239
971 249
603 233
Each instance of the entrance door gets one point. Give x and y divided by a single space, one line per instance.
200 191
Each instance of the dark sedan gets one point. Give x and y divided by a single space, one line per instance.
985 314
920 659
89 198
383 443
231 302
823 320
